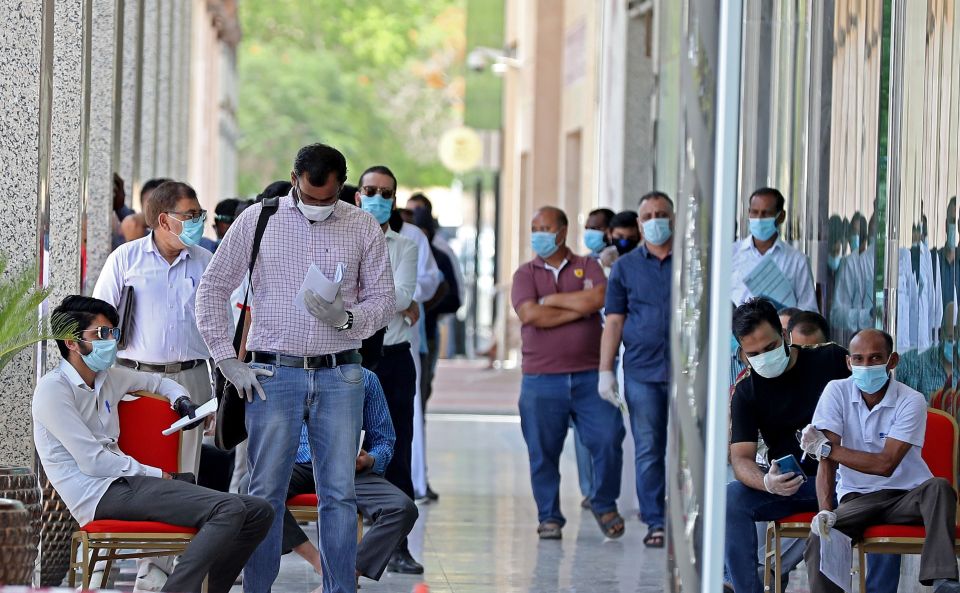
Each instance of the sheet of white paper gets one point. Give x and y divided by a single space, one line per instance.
316 281
836 558
363 433
203 411
767 280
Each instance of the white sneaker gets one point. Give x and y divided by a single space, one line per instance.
152 581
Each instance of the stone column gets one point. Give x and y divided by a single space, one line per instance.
100 151
148 91
181 148
21 42
131 38
165 81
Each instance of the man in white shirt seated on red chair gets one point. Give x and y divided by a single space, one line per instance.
868 432
76 430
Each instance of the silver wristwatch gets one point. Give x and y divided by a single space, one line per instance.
347 324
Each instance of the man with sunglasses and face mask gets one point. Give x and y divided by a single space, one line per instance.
164 269
76 430
305 366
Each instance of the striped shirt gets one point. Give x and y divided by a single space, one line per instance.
380 436
290 244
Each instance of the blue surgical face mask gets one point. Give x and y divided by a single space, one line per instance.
191 232
770 365
378 206
763 229
855 243
948 349
870 379
595 240
103 355
656 231
544 244
833 262
951 234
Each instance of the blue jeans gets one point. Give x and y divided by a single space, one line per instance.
584 464
547 404
648 403
330 401
746 507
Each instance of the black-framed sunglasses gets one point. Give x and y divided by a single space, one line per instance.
372 190
104 332
191 217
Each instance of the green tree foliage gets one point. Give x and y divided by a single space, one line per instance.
379 79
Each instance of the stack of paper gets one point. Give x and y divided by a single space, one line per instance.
316 281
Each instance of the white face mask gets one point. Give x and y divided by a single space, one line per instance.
771 364
315 213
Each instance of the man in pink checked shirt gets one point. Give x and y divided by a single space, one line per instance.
305 362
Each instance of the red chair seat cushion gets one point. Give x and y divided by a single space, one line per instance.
797 518
114 526
302 500
914 531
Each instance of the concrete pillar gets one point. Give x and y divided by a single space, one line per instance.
131 38
21 43
638 129
68 127
148 90
101 150
182 149
164 127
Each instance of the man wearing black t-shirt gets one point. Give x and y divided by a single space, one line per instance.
775 399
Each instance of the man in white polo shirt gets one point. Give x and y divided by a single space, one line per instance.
867 433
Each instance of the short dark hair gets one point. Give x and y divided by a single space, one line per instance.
381 169
79 311
769 191
887 338
750 315
226 210
419 196
606 213
348 194
560 214
319 161
152 184
808 323
624 220
164 199
654 195
276 189
789 312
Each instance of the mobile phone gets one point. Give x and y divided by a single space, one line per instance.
789 464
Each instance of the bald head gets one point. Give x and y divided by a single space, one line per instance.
872 347
552 216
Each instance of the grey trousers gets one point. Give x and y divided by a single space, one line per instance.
230 526
932 504
392 512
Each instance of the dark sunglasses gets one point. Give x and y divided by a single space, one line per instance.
104 332
372 190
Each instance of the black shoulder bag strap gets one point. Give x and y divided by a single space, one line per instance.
270 206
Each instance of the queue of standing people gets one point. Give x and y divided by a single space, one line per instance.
306 389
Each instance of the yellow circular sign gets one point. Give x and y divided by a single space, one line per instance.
460 149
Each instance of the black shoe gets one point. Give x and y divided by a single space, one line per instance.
431 495
403 563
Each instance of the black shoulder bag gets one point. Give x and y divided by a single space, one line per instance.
231 427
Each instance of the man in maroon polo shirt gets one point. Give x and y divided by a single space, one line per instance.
558 296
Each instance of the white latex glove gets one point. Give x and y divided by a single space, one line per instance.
333 314
243 377
607 386
822 523
811 441
781 484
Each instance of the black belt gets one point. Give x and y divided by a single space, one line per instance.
324 361
395 348
169 368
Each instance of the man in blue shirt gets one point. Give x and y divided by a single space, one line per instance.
392 511
638 314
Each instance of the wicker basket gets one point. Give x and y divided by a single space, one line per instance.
18 547
55 532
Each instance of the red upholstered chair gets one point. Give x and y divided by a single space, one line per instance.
793 526
303 507
141 421
940 453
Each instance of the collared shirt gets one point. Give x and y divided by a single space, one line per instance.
290 244
791 262
924 371
639 288
403 262
569 348
380 436
428 274
900 415
163 326
75 430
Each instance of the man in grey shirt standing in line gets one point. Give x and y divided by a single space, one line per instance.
305 362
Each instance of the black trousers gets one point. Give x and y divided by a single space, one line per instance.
230 526
398 377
